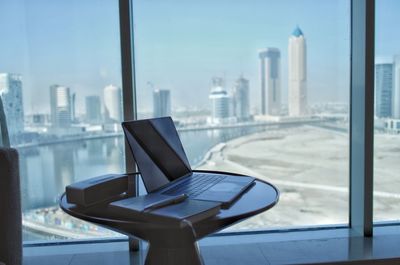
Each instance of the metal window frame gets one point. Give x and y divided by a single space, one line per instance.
362 116
361 138
128 92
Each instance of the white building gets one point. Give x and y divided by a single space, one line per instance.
297 74
241 100
270 81
93 109
220 101
11 94
396 89
113 104
161 103
60 106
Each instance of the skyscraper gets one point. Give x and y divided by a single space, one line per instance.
297 74
60 106
161 103
93 109
11 94
270 80
241 104
73 107
383 88
396 89
113 104
220 101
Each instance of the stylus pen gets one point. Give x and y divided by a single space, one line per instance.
166 202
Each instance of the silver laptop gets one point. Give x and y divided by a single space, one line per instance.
165 169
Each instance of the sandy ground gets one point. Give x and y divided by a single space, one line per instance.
310 167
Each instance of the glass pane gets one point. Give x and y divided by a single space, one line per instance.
60 82
258 88
387 113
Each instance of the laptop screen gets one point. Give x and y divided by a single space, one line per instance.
158 151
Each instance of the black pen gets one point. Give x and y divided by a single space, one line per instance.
166 202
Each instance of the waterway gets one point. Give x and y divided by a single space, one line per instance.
46 170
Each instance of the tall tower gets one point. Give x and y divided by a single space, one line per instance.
11 94
93 109
396 90
270 80
60 106
161 103
383 88
73 107
297 74
241 105
113 104
220 101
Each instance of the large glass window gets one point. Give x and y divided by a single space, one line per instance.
259 89
60 82
387 113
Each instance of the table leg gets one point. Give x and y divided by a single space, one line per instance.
189 255
134 244
173 246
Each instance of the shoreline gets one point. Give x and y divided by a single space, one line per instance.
309 165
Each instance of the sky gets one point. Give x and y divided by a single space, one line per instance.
179 45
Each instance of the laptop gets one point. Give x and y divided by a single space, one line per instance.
165 168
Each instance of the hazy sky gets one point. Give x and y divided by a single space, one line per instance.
180 45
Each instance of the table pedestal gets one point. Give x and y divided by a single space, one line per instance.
189 255
173 247
175 243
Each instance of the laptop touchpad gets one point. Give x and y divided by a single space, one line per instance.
226 187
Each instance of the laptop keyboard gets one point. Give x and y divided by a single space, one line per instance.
195 185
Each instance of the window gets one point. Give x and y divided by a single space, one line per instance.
387 113
258 89
60 81
265 83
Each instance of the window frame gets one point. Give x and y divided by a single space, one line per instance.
362 55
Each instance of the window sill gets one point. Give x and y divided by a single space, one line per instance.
322 246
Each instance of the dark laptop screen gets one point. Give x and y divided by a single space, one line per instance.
158 151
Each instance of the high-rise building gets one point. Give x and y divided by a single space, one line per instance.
113 104
161 103
297 74
73 107
60 106
270 81
220 101
383 88
241 104
396 89
11 94
93 109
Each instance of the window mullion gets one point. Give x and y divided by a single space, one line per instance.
362 115
128 90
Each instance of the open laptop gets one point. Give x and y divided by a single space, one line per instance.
165 169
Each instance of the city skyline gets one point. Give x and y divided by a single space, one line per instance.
203 51
98 47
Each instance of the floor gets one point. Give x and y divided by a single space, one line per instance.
310 247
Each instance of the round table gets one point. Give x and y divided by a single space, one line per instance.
177 245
